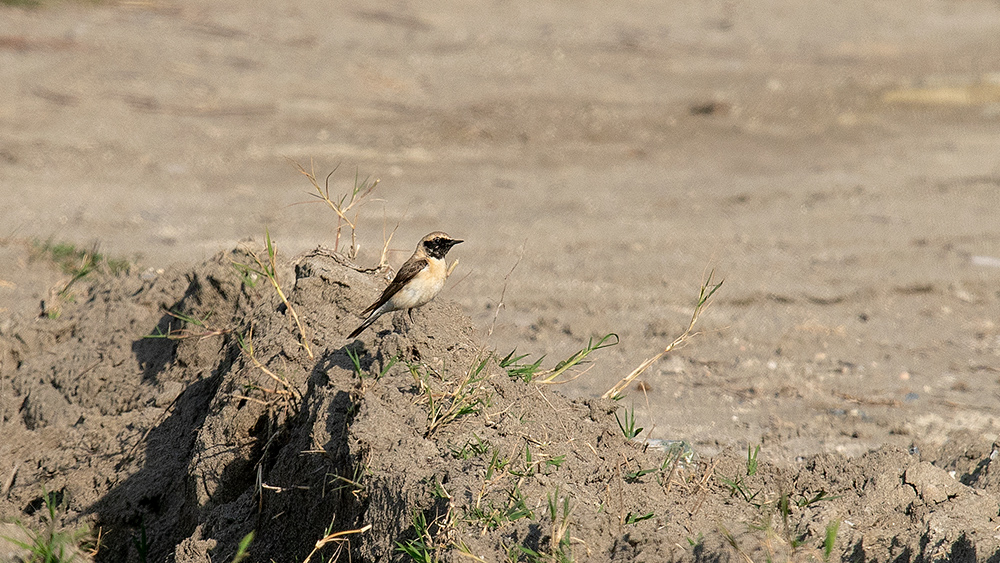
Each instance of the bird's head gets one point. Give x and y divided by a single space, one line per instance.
437 244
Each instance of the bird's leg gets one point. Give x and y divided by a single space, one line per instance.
409 313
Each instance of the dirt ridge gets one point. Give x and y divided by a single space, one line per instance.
189 441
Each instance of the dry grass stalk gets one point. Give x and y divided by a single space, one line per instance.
467 397
708 289
246 345
503 291
183 333
383 260
10 480
269 269
343 206
338 537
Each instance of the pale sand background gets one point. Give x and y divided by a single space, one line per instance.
838 164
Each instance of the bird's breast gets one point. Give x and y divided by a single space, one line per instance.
422 288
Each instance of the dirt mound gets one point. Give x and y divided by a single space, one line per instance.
177 412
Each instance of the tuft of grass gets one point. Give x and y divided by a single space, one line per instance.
737 485
206 330
420 549
141 543
560 550
628 427
708 289
356 361
517 370
466 397
731 540
287 392
360 372
533 372
248 276
354 484
752 456
578 358
818 497
774 511
489 516
471 449
51 545
633 518
340 539
269 269
633 476
77 264
497 464
559 543
556 462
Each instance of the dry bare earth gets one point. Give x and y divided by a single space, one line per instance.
836 162
191 441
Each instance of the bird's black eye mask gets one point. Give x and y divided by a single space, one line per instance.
438 247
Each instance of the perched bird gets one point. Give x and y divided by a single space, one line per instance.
417 282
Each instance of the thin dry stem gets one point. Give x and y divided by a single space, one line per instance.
470 556
503 291
183 333
270 271
356 197
704 296
467 394
10 480
247 347
383 260
338 537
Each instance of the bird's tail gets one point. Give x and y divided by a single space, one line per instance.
368 322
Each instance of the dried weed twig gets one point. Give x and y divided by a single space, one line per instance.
708 289
343 206
503 292
338 537
246 345
207 331
269 269
468 396
383 260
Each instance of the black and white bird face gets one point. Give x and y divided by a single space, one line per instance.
437 244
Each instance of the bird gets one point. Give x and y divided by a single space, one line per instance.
418 280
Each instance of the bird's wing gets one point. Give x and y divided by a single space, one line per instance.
406 273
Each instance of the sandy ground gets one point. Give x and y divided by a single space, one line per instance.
837 165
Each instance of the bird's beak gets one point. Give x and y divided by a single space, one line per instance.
454 241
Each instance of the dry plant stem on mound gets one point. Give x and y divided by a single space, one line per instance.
549 376
246 345
207 331
503 292
338 537
383 259
531 372
708 289
344 205
269 270
467 396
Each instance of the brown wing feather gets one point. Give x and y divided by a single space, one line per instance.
406 273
